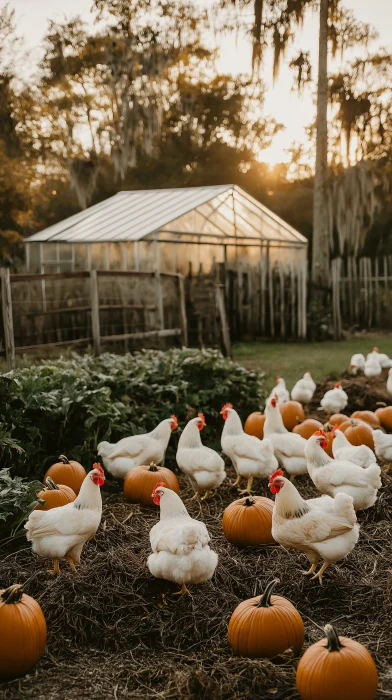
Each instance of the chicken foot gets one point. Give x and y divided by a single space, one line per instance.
195 497
312 569
206 495
237 482
71 564
292 477
320 573
248 486
389 467
56 567
183 590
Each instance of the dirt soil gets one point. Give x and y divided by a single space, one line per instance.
116 632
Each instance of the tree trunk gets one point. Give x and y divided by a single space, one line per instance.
320 247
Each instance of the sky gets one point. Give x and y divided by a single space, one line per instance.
281 102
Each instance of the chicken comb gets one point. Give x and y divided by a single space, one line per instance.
99 469
320 432
203 420
276 474
175 421
277 378
161 483
227 405
375 349
338 385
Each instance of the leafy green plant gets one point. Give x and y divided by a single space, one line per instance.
69 405
17 500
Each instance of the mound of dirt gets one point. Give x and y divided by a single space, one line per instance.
364 394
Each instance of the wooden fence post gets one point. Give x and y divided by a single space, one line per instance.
183 318
8 322
220 302
95 312
159 299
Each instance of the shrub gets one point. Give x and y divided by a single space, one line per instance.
69 405
17 500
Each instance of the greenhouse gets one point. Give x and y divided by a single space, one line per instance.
171 230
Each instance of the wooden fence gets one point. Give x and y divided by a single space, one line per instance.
361 293
94 308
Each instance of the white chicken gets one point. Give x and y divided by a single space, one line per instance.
304 389
383 447
372 365
342 449
322 528
357 363
332 476
334 400
202 465
252 458
180 544
389 382
280 390
61 533
289 448
384 360
130 452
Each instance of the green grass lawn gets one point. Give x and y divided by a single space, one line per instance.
291 360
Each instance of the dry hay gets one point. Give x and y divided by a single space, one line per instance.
111 634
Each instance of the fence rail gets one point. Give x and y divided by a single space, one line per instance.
101 307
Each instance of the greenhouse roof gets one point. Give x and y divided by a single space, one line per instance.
223 210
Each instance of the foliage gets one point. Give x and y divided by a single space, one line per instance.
17 500
69 406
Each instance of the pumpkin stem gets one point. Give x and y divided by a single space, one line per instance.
265 600
63 459
153 467
50 484
13 594
333 641
249 501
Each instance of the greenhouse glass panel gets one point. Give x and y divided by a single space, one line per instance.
115 256
99 256
81 257
34 258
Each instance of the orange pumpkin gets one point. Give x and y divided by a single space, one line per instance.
54 495
358 433
338 668
247 522
337 419
140 482
23 632
69 473
254 425
385 417
307 428
265 626
368 417
292 413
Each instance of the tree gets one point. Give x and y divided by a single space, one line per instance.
320 238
